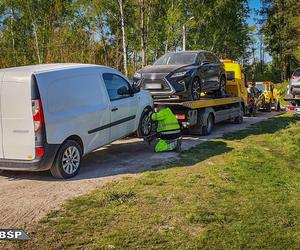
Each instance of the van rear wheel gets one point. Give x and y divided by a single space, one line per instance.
67 161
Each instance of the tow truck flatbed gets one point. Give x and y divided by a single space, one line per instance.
202 103
198 117
290 99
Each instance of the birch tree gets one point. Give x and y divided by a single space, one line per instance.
121 7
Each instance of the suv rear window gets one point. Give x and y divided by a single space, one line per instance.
212 58
297 72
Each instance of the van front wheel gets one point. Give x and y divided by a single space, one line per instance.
67 161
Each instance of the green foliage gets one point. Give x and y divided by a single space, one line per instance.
46 31
281 28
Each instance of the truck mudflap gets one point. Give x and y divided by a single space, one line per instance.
41 164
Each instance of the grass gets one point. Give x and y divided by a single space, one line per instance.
241 191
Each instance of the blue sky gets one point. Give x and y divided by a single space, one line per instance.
254 5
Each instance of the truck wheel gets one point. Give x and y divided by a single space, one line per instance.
206 130
195 92
268 107
67 161
239 119
278 107
145 125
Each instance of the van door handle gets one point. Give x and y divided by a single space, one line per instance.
114 109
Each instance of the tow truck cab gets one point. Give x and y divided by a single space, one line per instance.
236 81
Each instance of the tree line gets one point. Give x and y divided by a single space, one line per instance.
281 29
125 34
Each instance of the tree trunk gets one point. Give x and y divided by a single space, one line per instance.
35 35
121 5
142 28
12 14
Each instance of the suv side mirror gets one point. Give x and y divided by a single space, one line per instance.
204 62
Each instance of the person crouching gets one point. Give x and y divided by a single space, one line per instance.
168 130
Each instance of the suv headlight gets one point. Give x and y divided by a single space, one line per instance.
137 75
179 74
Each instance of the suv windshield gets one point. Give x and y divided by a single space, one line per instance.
177 58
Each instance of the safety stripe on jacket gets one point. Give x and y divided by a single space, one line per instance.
167 125
170 132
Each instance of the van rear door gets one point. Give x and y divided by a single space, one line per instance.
1 145
17 122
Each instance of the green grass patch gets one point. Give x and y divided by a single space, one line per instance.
242 191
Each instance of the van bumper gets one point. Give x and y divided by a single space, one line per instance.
42 164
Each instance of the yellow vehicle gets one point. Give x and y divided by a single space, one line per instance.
269 96
236 82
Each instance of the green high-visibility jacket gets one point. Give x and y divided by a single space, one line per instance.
166 120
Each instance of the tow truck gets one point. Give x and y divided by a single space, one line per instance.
199 117
294 104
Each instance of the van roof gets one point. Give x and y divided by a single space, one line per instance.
19 73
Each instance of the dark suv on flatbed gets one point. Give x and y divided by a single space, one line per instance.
184 75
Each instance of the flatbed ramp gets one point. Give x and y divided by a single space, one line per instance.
202 103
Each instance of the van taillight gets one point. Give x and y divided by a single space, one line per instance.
37 113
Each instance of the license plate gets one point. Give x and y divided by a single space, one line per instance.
153 86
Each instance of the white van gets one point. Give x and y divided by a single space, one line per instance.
53 114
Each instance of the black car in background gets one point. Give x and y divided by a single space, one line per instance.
184 75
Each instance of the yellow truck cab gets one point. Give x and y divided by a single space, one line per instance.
236 81
269 95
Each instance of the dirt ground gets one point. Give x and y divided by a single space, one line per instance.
27 197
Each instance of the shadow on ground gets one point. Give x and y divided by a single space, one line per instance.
136 156
270 126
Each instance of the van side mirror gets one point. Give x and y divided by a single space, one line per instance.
123 91
135 88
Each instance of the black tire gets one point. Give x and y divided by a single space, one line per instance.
278 107
145 125
239 119
222 89
62 163
206 130
268 107
195 90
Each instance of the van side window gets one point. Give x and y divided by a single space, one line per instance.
117 87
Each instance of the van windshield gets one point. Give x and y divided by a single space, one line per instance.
179 58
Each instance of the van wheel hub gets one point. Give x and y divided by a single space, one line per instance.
71 160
